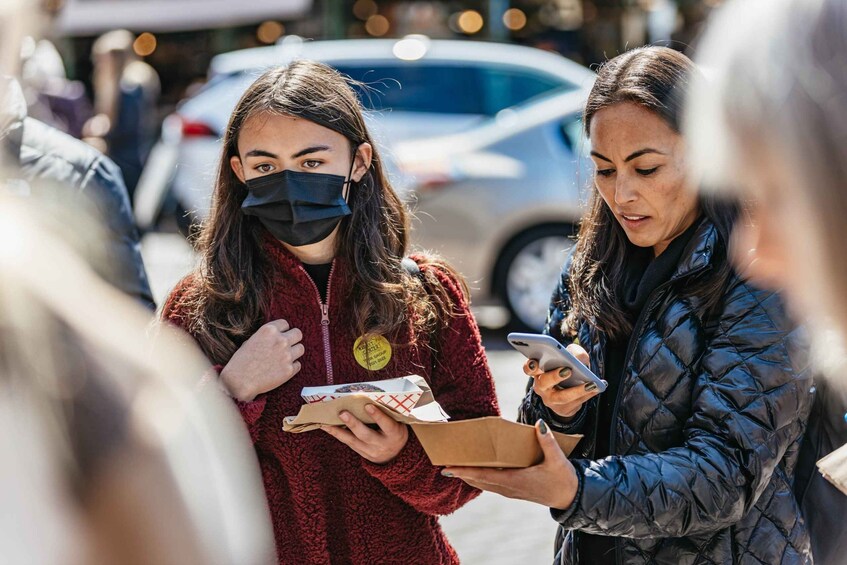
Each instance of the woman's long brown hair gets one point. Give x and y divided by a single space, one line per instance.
229 295
657 79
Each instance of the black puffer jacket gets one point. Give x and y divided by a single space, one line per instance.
706 431
42 155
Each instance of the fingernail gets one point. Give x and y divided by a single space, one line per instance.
370 408
447 473
533 365
542 425
590 386
565 372
345 417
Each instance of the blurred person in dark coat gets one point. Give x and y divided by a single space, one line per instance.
126 90
40 158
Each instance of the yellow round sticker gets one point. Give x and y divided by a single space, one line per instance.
372 353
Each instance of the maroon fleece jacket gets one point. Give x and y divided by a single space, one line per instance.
327 503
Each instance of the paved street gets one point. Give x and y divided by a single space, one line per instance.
491 529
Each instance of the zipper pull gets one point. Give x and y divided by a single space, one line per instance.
324 314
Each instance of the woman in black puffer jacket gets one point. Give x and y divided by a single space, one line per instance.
688 457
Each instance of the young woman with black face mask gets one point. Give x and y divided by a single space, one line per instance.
301 283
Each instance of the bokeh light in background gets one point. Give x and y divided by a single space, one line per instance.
364 9
514 19
470 22
377 25
412 48
145 44
270 31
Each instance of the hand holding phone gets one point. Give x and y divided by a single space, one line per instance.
550 355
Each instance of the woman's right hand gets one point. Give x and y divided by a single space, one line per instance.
565 403
265 361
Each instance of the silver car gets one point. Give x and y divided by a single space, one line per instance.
501 202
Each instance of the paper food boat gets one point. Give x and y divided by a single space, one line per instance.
401 395
478 442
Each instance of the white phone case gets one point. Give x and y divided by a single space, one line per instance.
551 354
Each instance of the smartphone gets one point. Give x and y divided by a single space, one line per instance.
551 354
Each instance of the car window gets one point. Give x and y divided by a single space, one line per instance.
573 137
507 86
418 87
448 88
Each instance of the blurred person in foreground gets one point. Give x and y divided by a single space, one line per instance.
107 453
41 160
770 125
689 455
44 161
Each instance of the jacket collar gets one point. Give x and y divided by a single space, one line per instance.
698 253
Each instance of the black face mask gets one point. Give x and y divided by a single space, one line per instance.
297 208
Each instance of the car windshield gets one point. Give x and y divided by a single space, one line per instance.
448 88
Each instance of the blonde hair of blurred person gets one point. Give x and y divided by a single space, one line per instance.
772 121
107 455
770 125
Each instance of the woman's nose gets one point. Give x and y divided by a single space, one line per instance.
625 191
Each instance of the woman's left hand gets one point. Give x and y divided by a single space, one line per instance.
553 482
377 446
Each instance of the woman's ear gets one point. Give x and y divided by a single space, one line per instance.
364 156
237 167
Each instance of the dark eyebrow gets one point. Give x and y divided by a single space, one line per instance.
641 152
635 155
260 153
308 150
600 156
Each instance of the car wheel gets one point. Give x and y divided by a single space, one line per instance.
528 272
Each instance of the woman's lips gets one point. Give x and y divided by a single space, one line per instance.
634 220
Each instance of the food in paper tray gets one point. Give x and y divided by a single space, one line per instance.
359 387
398 394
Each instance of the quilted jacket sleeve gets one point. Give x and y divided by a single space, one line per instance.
749 406
532 408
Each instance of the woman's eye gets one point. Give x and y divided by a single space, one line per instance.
605 172
311 164
264 168
646 172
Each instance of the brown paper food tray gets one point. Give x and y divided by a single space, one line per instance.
480 442
485 442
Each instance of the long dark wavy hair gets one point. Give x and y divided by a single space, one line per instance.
229 295
657 79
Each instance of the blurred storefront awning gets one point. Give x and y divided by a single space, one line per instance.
91 17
